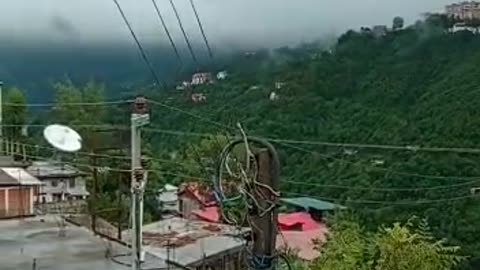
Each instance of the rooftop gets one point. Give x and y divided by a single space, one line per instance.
22 241
47 169
17 176
192 240
312 204
303 241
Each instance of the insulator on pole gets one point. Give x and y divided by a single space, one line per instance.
140 105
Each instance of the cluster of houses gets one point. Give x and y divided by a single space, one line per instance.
207 78
190 232
25 185
301 222
198 79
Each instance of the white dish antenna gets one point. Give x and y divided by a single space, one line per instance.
63 138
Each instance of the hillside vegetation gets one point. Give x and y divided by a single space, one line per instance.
415 87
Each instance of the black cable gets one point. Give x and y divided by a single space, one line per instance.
165 28
140 48
184 33
201 29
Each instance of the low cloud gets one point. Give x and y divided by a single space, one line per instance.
250 23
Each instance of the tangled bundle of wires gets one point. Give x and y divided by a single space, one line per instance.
242 197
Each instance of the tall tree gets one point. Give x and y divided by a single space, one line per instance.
76 105
15 114
398 23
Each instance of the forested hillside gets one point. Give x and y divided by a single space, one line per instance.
415 87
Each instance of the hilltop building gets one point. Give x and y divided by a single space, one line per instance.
467 10
222 75
201 78
379 30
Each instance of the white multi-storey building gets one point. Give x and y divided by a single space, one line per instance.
468 10
60 182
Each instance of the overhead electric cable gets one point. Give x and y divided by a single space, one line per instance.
218 124
396 202
101 103
359 201
200 25
289 180
189 45
438 177
140 48
381 146
392 189
165 28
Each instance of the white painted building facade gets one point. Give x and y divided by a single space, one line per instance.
60 182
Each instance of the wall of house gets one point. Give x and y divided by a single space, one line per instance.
232 261
16 201
53 188
187 204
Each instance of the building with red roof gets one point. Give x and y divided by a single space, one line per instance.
194 196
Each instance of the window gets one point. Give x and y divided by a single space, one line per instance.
54 183
71 183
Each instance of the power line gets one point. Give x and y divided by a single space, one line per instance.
332 144
393 189
359 201
140 48
165 28
383 169
382 146
183 32
440 187
397 202
218 124
207 44
102 103
126 158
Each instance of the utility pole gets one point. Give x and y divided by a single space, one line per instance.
265 229
95 193
1 118
139 118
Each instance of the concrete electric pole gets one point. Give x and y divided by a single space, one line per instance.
139 118
1 118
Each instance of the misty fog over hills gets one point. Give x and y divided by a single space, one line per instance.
48 40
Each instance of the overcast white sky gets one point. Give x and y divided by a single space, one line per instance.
259 22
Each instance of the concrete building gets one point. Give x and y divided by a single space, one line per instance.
201 78
18 190
195 244
467 10
168 199
194 196
199 97
60 182
35 243
222 75
379 30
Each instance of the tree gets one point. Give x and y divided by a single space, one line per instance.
398 247
64 112
15 114
398 23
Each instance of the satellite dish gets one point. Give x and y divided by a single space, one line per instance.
63 138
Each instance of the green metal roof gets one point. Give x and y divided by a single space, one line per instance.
311 203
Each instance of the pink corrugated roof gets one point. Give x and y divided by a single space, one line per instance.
208 214
303 218
302 241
